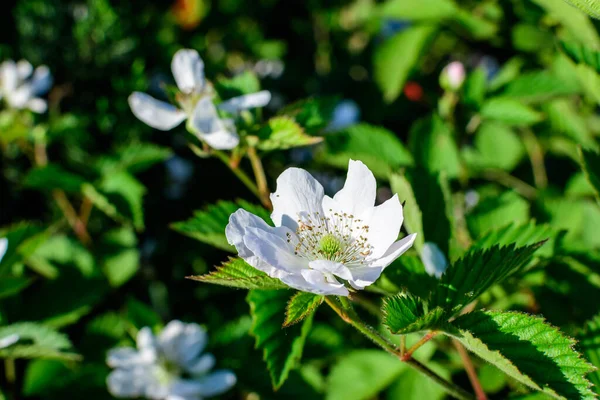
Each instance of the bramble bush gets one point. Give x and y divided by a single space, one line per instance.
320 200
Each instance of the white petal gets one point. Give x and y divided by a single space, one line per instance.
188 70
395 251
19 97
384 222
155 113
434 260
145 339
317 282
235 231
358 193
335 268
128 383
181 343
126 357
202 365
240 103
184 388
272 247
9 340
364 276
205 122
3 247
41 81
37 105
24 69
218 382
9 76
297 192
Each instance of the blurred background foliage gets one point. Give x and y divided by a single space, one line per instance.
504 148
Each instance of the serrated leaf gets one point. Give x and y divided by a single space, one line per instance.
590 162
509 111
282 133
528 349
413 217
282 347
52 177
300 306
208 225
36 341
377 147
362 374
395 58
590 7
404 314
470 276
434 147
237 273
416 10
578 24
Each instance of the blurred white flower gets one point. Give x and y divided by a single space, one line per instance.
434 260
318 240
169 367
9 340
269 68
3 247
345 114
21 86
471 199
195 103
453 76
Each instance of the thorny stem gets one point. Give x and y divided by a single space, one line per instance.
237 172
349 316
261 179
470 369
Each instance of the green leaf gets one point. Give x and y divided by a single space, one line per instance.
53 177
244 83
282 348
377 147
434 147
509 71
282 133
362 374
412 385
539 86
590 162
395 58
416 10
404 314
589 342
496 146
237 273
528 349
300 306
413 217
141 315
590 7
10 286
521 235
122 266
312 114
509 111
565 117
407 273
126 193
474 25
36 341
134 157
575 21
208 225
582 54
590 81
23 239
497 211
475 88
531 38
470 276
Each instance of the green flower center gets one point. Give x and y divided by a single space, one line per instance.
330 245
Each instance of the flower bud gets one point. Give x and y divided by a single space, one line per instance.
453 76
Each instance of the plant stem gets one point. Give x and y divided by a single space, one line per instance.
238 172
408 355
506 179
261 179
349 316
470 369
71 215
536 155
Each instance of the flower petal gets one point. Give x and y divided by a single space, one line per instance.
127 357
364 276
317 282
332 267
155 113
145 339
19 97
181 343
434 260
188 70
205 122
3 247
272 247
202 365
240 103
9 76
127 383
297 192
395 251
37 105
24 69
384 222
218 382
358 193
41 81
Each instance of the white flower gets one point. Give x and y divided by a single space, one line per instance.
453 75
319 242
434 260
195 101
3 247
21 86
9 340
169 367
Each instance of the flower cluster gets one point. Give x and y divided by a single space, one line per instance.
319 243
170 366
195 104
21 86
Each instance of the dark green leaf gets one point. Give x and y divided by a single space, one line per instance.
413 217
312 114
404 314
475 88
300 306
497 211
282 347
134 157
53 177
434 147
407 273
582 54
237 273
590 162
10 286
575 21
589 342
